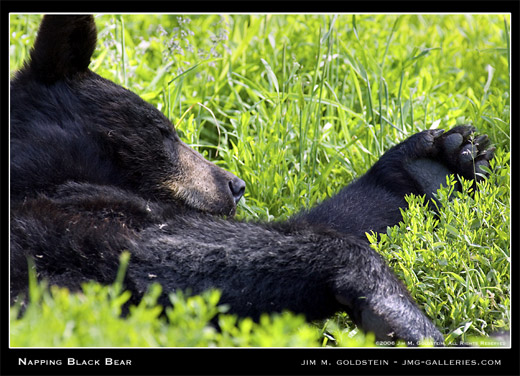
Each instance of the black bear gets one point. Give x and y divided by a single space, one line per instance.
95 170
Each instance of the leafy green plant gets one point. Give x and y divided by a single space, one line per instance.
455 260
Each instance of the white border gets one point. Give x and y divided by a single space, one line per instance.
279 13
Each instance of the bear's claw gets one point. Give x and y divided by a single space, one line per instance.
464 153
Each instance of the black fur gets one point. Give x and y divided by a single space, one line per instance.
77 38
95 171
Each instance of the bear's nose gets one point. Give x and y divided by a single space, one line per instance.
237 187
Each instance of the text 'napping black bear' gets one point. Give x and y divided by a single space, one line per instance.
95 170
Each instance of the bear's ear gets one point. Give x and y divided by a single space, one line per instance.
63 47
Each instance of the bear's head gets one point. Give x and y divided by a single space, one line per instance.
85 128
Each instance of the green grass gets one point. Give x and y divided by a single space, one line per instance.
298 106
